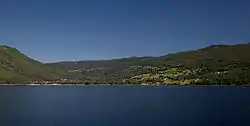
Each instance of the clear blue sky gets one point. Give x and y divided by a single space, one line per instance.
59 30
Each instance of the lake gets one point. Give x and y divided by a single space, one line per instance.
124 106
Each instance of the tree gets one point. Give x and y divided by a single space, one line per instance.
87 83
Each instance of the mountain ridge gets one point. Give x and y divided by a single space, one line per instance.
134 57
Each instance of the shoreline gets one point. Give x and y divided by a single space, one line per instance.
122 85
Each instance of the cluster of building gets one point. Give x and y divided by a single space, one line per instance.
61 81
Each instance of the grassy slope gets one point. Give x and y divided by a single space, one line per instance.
15 66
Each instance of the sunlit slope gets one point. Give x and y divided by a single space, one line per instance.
16 67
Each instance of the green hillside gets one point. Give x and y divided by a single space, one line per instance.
16 67
225 64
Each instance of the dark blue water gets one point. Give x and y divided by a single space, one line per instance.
124 106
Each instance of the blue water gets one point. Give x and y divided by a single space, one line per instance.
124 106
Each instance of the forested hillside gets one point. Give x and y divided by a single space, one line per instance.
216 64
15 67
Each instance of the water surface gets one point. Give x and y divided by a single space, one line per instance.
124 106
